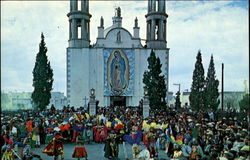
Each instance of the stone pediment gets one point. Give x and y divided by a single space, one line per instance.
118 38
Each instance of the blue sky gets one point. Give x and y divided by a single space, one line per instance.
215 27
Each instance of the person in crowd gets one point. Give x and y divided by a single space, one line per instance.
133 138
219 134
55 147
186 149
111 147
178 154
80 150
151 138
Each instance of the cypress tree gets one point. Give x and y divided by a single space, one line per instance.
42 78
211 88
196 97
154 82
244 103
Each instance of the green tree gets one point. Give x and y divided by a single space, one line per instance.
196 97
177 100
244 103
42 78
155 82
211 91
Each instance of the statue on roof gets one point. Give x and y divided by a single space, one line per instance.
136 22
118 12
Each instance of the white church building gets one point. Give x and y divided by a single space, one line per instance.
115 64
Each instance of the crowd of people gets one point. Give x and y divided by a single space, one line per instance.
180 134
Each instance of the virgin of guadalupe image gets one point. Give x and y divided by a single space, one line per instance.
117 74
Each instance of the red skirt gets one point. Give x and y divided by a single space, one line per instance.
80 152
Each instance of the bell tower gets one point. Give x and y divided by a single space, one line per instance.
79 20
156 24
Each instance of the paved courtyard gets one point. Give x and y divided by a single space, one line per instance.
95 152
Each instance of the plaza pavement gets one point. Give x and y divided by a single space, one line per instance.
95 152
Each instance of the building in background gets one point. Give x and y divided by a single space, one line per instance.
58 100
22 100
231 99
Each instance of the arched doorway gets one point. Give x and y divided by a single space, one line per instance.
118 101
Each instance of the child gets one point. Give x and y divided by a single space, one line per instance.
80 150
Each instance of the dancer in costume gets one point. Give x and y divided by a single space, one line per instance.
151 137
7 147
78 127
55 147
134 138
80 150
35 137
7 153
111 147
88 133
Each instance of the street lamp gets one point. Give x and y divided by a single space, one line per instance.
178 84
92 92
178 93
145 91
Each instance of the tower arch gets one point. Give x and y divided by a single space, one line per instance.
79 24
156 24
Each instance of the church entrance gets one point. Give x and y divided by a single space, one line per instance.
118 101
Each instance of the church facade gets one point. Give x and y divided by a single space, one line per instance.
115 64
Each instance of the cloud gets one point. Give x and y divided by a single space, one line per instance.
216 27
200 26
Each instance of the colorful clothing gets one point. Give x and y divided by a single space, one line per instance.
111 147
55 147
151 146
29 126
7 155
80 152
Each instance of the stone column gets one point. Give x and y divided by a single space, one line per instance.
162 5
83 29
149 5
74 29
74 5
100 32
136 32
165 29
71 5
153 5
160 32
136 29
92 103
70 30
85 6
148 30
101 29
152 29
88 30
